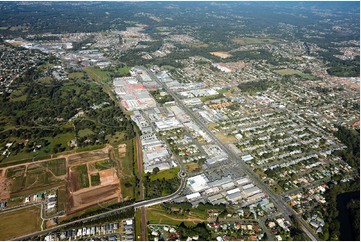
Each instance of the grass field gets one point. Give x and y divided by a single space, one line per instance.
97 74
95 179
127 162
76 75
158 215
138 229
61 199
82 176
252 41
102 77
226 138
37 179
19 222
285 72
19 94
123 71
58 166
166 174
85 132
15 171
127 165
44 152
104 164
289 72
192 167
91 147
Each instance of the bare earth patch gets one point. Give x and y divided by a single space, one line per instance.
5 186
223 55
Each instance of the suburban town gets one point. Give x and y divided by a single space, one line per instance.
148 133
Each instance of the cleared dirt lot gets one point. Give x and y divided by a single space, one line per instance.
83 157
80 198
223 55
88 197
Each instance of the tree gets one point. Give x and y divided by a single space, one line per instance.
155 170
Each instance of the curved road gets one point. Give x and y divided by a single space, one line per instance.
104 214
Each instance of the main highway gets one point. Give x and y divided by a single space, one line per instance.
235 160
140 204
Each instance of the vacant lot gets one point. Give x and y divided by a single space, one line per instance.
89 197
5 185
95 179
285 72
37 178
58 167
82 178
166 174
19 222
192 167
158 215
87 156
226 138
104 164
252 41
222 55
289 72
97 74
61 199
76 75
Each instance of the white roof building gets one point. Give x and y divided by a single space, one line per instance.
193 196
198 183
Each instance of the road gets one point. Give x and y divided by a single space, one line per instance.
143 222
107 213
286 210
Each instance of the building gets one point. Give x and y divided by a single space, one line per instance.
198 183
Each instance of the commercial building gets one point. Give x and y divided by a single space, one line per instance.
133 95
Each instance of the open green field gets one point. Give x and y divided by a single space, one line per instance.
252 41
85 132
76 75
285 72
19 222
15 171
95 179
289 72
166 174
192 167
138 229
127 180
60 140
82 176
97 74
226 138
104 164
127 162
61 199
18 94
124 71
36 179
158 215
58 166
